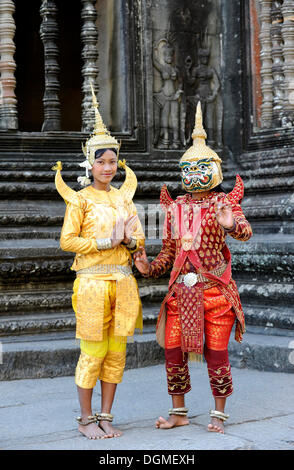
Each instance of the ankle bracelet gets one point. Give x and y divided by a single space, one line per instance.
178 411
218 415
104 417
90 419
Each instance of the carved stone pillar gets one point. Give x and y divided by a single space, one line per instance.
288 52
49 33
8 109
89 37
278 62
266 63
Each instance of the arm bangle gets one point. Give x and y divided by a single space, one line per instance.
103 243
132 244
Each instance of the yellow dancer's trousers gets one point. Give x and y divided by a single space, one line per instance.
103 360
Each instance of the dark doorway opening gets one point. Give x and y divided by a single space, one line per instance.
29 58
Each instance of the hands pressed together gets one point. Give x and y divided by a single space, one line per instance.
123 230
122 233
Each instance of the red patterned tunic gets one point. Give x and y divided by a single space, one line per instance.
209 256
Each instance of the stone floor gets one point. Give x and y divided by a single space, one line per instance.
39 414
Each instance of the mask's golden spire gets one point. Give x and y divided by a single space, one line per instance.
199 133
199 149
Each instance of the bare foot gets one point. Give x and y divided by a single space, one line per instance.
109 430
92 431
172 422
216 425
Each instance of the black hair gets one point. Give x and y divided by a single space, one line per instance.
100 152
218 189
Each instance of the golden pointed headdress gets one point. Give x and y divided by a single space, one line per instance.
100 137
199 150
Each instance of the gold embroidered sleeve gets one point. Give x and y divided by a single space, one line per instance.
243 230
70 239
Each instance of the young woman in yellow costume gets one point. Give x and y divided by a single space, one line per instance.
101 226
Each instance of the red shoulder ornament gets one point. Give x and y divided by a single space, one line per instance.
165 198
236 195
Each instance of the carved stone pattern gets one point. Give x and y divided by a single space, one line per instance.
36 325
8 102
29 302
23 269
266 63
277 63
89 37
288 52
49 34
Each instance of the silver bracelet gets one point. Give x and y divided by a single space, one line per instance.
103 243
132 244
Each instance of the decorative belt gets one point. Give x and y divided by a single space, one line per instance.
106 269
190 279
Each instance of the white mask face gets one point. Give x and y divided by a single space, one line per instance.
199 175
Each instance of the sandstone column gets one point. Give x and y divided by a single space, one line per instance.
49 33
288 52
278 62
266 63
89 37
8 103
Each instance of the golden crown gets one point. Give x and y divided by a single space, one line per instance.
100 137
199 149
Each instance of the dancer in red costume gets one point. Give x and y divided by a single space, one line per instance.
202 300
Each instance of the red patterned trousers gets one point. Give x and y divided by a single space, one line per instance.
219 319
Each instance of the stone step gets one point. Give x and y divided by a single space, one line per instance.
158 169
259 243
263 258
56 354
269 319
29 232
268 352
37 323
33 190
264 301
264 159
41 322
58 298
268 294
70 177
17 185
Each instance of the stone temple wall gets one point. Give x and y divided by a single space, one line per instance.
150 62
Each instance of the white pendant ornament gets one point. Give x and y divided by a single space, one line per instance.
190 279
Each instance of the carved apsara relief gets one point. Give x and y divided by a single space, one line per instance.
184 74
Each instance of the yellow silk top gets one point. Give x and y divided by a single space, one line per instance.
91 215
